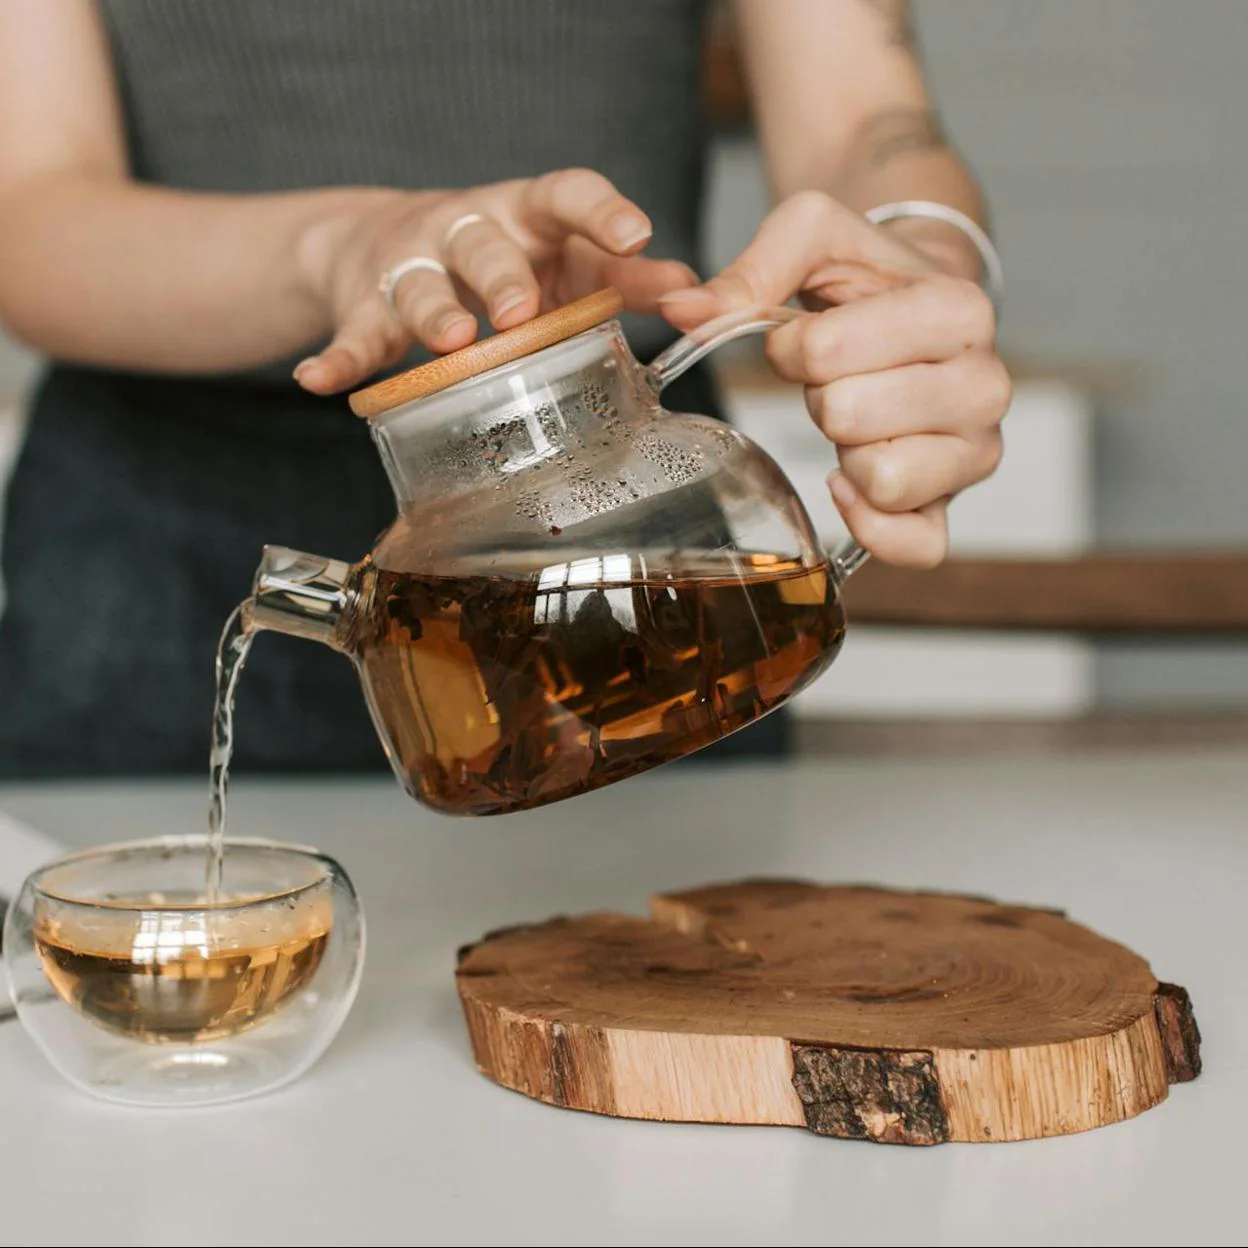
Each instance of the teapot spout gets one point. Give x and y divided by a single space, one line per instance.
303 595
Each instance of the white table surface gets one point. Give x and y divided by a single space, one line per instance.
394 1139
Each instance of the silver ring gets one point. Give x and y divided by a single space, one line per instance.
469 218
392 277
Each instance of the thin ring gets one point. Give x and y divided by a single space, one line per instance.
392 277
994 276
469 218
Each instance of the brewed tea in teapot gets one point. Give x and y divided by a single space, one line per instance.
579 585
532 689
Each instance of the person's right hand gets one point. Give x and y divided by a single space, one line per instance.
541 242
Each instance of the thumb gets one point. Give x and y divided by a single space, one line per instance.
762 275
795 245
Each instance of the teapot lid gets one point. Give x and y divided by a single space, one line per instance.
479 357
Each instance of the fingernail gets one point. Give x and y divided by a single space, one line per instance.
842 491
627 229
302 367
447 321
509 297
683 296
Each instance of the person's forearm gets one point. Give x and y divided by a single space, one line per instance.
842 108
105 272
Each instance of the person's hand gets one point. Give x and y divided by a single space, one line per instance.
899 365
540 242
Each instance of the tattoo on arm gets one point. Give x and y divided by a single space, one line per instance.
897 14
894 132
897 132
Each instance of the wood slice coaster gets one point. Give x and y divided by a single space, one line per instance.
904 1018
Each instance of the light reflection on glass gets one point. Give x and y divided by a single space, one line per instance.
559 596
164 936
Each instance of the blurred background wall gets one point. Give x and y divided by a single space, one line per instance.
1110 137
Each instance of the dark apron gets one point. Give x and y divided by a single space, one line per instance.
135 518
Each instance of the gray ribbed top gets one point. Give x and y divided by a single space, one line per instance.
265 95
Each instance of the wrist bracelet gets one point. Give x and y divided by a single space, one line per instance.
994 277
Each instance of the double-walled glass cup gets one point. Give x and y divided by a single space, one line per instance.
139 991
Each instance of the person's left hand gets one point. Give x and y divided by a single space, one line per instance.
899 365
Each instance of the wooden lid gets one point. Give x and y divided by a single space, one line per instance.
480 357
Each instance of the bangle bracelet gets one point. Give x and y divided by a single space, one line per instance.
994 277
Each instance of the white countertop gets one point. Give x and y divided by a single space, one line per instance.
394 1139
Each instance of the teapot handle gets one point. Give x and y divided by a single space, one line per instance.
685 352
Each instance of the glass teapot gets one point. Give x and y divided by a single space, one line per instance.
579 585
